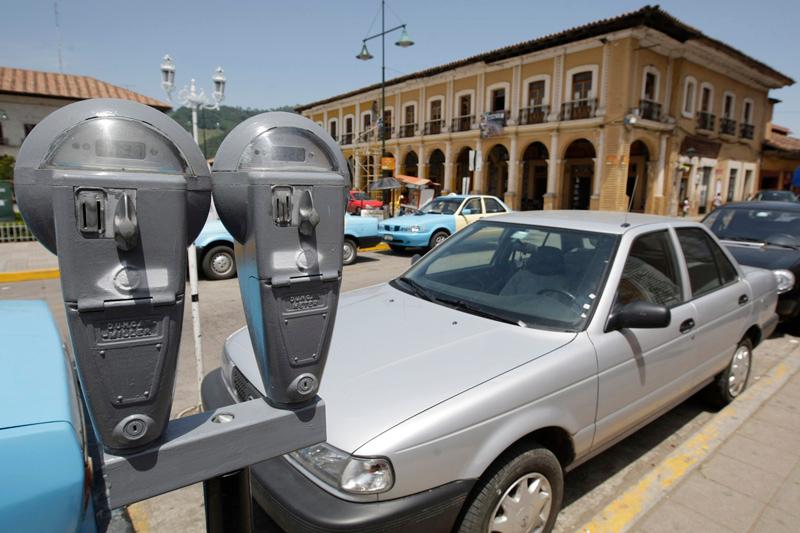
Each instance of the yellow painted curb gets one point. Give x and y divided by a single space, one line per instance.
377 248
138 516
622 514
29 275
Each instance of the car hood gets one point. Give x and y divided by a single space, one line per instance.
771 257
394 355
409 220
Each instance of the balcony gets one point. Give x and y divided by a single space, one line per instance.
578 109
727 126
747 131
347 138
706 121
500 115
407 130
649 110
533 115
386 132
463 123
366 136
434 127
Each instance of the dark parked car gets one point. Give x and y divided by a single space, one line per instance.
766 235
775 196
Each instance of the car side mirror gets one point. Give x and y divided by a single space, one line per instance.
415 258
639 314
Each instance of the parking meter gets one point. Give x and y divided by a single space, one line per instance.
118 190
279 185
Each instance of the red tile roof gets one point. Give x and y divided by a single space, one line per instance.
649 16
70 86
781 141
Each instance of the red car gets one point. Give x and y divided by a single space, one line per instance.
358 200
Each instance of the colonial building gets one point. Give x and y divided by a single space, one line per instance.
633 112
27 96
780 159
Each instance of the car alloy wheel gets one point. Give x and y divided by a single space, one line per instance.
739 370
349 252
525 506
438 238
222 263
219 263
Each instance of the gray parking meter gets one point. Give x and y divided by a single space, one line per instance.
118 190
279 185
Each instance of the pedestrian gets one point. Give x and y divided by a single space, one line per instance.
717 200
685 206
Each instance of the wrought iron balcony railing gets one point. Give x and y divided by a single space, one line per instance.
747 131
649 110
407 130
463 123
727 126
706 121
386 132
578 109
347 138
533 115
434 127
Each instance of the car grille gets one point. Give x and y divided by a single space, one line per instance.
244 389
387 227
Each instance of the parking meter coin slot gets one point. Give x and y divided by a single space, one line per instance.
91 207
282 205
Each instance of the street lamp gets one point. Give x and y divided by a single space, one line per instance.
403 42
189 97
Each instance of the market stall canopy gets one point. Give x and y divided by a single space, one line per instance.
384 184
413 181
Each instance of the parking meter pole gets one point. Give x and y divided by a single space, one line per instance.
197 329
228 503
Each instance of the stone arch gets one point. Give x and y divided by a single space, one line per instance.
578 174
637 186
496 171
534 176
411 164
436 169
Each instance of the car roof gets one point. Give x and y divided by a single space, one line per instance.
600 221
764 204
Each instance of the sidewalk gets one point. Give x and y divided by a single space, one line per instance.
751 483
24 256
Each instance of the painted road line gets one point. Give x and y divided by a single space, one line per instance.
377 248
624 512
29 275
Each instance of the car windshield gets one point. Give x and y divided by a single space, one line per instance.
771 226
441 206
776 196
532 276
360 196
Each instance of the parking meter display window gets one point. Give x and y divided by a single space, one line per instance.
287 148
115 144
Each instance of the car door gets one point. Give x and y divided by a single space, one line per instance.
719 297
471 210
492 207
638 368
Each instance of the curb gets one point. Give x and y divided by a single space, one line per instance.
625 511
138 518
377 248
29 275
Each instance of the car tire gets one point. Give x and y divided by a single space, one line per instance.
529 475
438 238
349 252
219 263
732 381
397 248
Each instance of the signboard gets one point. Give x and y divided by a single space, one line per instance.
387 163
492 124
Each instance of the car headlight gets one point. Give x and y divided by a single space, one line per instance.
356 475
785 280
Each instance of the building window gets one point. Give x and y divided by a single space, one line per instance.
436 110
348 125
581 85
689 90
411 111
366 122
747 130
498 100
536 93
650 85
706 98
728 101
333 126
465 105
410 119
435 123
732 183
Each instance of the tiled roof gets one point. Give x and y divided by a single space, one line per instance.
649 16
781 141
53 84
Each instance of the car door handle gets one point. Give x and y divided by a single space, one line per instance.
743 299
687 325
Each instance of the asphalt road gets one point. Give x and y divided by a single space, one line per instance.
588 488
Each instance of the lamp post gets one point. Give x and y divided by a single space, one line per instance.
403 42
189 97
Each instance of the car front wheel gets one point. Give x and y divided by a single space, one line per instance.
438 238
219 263
349 252
520 494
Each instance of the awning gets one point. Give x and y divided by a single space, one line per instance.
383 184
412 181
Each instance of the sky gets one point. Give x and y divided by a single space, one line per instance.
286 52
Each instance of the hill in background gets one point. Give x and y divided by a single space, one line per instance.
214 125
